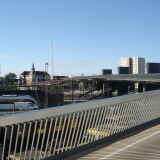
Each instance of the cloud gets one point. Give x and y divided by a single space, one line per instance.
7 56
72 68
74 63
7 71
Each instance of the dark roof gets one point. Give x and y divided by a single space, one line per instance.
42 73
25 73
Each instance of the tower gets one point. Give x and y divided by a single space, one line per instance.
32 73
32 69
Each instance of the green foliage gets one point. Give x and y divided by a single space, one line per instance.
10 79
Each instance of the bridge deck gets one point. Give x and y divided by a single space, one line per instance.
142 146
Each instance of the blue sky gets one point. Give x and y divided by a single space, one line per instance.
87 35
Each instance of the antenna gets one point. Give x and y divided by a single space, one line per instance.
0 70
52 60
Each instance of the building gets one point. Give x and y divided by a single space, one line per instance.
136 64
60 77
123 70
125 62
28 77
106 71
152 67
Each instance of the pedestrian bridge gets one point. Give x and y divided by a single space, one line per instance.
64 131
144 145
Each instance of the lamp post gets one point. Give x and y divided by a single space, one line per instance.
46 70
72 89
46 85
128 89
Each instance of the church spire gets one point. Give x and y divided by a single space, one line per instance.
32 69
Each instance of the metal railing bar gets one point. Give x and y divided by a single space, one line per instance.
109 121
134 113
44 133
35 126
157 111
85 128
54 130
117 116
127 117
123 108
103 121
81 131
89 124
39 133
24 127
29 131
94 125
65 137
120 118
106 121
49 134
100 121
57 137
64 122
75 127
79 124
72 121
130 118
10 143
4 142
16 141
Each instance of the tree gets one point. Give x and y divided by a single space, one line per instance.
10 79
1 80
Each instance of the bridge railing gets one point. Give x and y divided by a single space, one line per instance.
44 133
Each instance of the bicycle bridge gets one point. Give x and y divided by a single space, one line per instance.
70 131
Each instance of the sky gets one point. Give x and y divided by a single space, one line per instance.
84 36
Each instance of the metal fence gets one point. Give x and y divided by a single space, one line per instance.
43 133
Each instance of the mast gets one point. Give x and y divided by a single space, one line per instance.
52 60
0 70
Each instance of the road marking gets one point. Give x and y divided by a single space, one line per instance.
128 146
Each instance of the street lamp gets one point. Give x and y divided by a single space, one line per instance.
46 70
46 85
128 89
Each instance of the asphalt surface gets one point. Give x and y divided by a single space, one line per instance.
142 146
4 113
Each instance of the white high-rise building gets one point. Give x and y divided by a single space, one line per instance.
136 64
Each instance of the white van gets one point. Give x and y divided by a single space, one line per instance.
19 106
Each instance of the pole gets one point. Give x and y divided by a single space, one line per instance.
72 89
103 89
52 60
0 70
128 89
144 87
46 87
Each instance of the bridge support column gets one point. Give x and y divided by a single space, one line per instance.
103 89
144 87
136 87
83 87
106 89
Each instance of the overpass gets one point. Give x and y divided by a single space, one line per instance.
144 78
68 131
104 83
120 82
